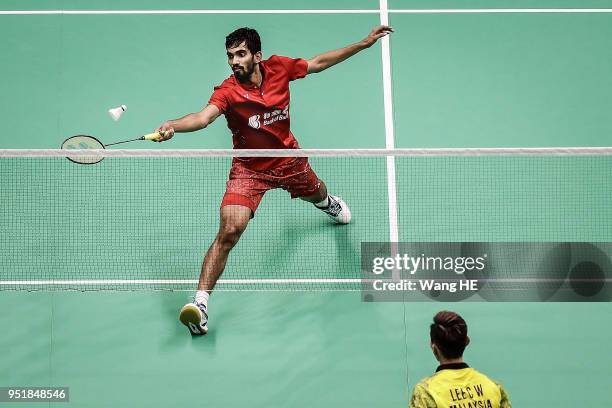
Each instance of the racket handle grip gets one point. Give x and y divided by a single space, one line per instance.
152 136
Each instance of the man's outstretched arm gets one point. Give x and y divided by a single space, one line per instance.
188 123
331 58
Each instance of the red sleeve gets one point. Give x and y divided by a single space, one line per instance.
220 98
296 67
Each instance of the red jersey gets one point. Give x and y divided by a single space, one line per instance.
258 117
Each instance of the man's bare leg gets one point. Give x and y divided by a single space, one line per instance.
319 196
233 222
333 206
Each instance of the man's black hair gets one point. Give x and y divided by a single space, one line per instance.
246 35
449 332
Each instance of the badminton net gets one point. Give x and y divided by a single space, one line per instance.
142 219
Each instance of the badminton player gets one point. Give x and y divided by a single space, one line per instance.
255 102
455 384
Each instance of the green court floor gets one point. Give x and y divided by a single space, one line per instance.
289 349
473 80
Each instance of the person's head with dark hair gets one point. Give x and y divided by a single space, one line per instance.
243 48
449 336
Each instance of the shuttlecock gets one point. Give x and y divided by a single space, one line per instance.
116 113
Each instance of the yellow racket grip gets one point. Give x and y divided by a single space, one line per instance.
152 136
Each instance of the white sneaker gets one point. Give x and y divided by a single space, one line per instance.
337 210
195 317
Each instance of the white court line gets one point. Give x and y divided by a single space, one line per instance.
169 281
499 11
389 134
102 12
306 11
56 282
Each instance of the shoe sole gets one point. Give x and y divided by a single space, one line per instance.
190 317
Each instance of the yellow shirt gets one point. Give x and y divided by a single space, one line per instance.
458 386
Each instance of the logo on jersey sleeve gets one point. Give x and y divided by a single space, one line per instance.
254 121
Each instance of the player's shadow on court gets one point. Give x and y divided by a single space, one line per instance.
315 249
